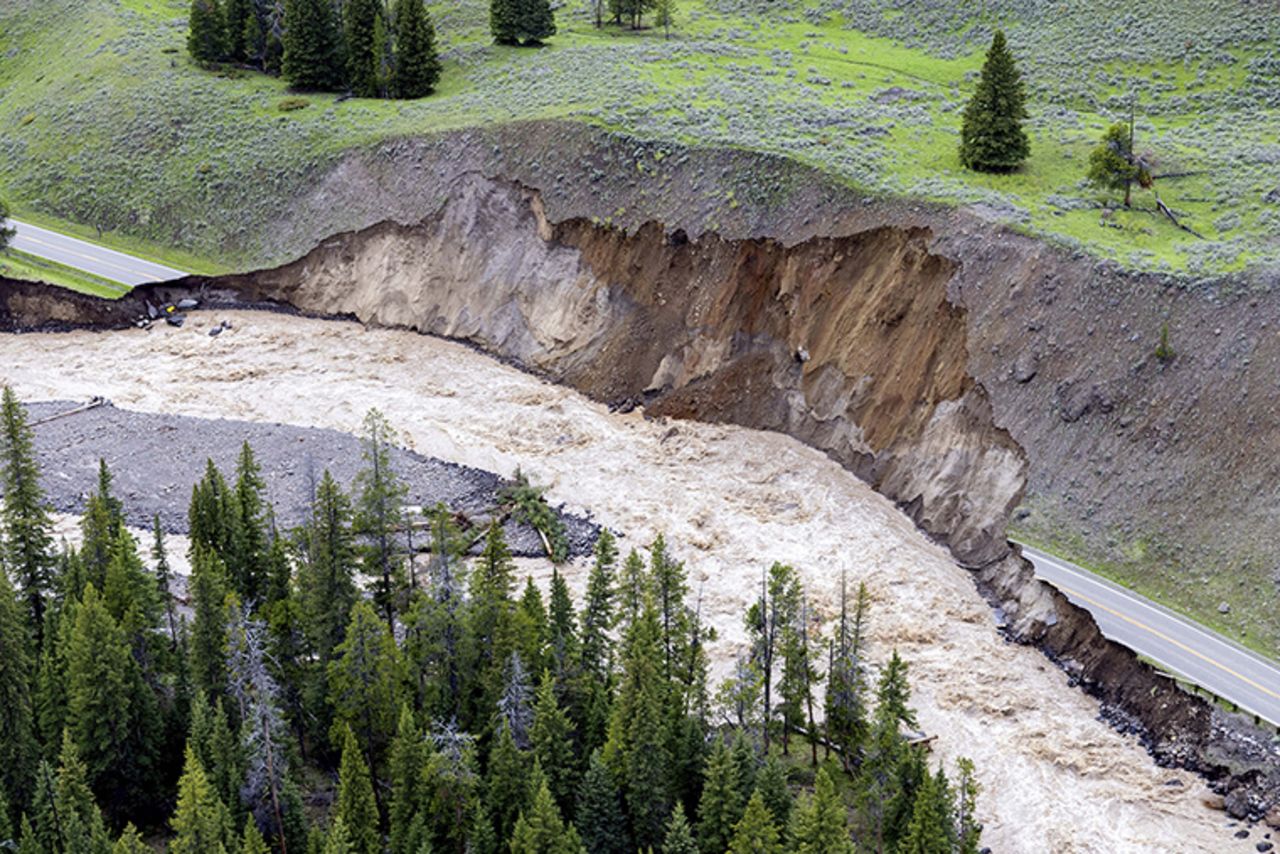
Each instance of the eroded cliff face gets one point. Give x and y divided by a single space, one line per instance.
847 343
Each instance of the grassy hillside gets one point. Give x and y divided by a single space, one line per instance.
108 124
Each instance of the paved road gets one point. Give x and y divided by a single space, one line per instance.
89 257
1178 644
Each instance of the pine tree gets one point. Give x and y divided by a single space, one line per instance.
380 493
326 580
771 783
552 740
598 616
992 138
99 701
206 37
562 627
213 519
208 639
846 723
164 579
404 770
537 21
18 749
542 831
25 527
236 14
417 65
201 824
312 46
531 626
504 21
356 807
894 693
599 811
491 621
930 830
251 841
360 21
821 823
130 842
756 833
451 786
721 805
968 830
67 816
679 838
639 734
364 686
505 790
248 564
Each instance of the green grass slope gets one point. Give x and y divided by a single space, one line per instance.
105 122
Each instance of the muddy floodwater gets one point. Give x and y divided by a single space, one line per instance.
730 501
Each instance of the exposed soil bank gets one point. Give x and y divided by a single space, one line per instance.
156 459
731 501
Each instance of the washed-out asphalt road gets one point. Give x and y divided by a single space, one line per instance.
1176 643
89 257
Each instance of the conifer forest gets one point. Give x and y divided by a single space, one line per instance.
381 679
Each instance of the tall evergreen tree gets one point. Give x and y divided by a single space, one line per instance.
364 686
207 32
968 829
236 14
208 641
771 783
821 822
541 830
201 823
25 527
312 46
67 816
679 838
404 772
504 21
552 741
99 695
130 842
164 579
599 813
721 805
639 733
213 518
930 830
417 65
380 492
537 21
356 807
360 23
326 579
18 750
992 138
505 790
248 565
756 833
846 683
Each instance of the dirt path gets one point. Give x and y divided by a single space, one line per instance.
731 500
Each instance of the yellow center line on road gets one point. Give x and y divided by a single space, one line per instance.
1224 668
98 260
